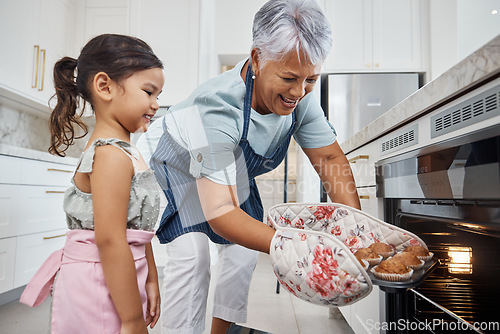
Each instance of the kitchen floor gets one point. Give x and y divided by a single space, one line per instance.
267 311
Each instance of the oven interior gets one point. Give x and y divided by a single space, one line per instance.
465 285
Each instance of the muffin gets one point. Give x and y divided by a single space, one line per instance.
392 270
409 260
382 249
368 255
419 251
364 263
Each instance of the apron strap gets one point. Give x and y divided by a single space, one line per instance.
247 102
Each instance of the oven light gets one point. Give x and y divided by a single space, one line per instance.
460 260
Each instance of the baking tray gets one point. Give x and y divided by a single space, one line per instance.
416 279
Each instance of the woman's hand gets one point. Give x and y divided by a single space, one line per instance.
154 303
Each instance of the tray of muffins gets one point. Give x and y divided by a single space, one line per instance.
388 268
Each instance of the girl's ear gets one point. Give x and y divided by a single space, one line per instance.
102 85
255 61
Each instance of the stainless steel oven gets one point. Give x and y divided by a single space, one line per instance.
448 193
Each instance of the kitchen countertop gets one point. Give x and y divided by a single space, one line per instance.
480 66
21 152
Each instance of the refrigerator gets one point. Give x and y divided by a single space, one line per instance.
353 100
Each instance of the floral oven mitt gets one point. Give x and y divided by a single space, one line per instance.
312 251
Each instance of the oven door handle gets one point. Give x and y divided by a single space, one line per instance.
473 229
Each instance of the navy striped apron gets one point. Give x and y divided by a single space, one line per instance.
171 165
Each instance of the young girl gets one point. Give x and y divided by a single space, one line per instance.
106 274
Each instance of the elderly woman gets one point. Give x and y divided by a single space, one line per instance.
211 146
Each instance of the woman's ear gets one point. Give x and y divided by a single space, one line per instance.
102 85
255 60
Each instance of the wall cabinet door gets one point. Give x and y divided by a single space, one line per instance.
375 35
18 22
101 20
352 34
174 37
55 36
36 34
397 34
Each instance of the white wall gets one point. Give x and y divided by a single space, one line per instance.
233 29
458 28
443 36
476 25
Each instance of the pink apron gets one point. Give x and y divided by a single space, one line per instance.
81 301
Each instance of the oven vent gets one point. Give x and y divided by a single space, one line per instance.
475 109
401 140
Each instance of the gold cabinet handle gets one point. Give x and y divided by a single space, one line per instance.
58 170
43 70
36 55
359 157
364 197
54 236
54 191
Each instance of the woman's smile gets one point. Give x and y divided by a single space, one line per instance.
280 85
290 103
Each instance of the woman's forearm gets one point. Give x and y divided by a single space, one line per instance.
339 183
335 173
221 209
238 227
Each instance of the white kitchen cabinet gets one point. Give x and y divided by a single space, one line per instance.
362 162
7 263
11 170
35 34
109 20
365 313
18 23
9 212
38 172
376 35
32 218
45 211
369 201
32 250
172 29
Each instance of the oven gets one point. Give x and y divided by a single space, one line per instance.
456 211
448 193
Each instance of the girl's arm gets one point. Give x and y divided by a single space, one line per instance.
152 289
221 209
110 186
335 173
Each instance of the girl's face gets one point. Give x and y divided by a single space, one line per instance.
138 102
280 85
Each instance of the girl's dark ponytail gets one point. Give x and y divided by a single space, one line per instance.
65 113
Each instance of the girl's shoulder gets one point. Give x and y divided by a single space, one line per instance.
86 160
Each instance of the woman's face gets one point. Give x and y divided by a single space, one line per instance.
280 85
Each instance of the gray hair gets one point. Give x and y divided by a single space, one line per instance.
281 26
